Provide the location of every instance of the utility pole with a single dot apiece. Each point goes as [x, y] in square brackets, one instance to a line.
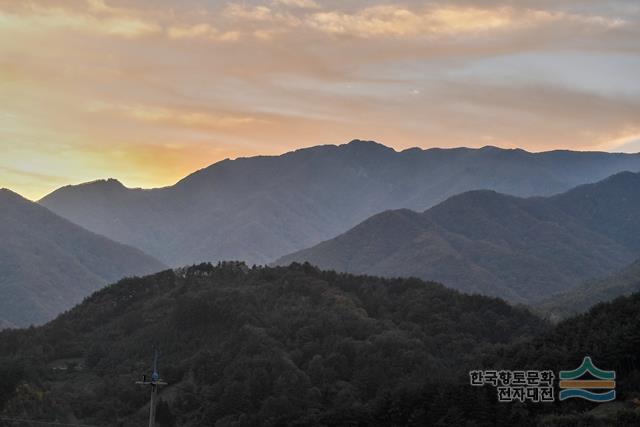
[155, 383]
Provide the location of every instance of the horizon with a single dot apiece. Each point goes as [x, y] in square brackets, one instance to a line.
[38, 197]
[147, 91]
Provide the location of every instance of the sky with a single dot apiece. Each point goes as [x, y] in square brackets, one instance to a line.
[147, 91]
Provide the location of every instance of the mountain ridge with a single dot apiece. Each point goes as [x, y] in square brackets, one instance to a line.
[354, 142]
[482, 241]
[47, 263]
[260, 208]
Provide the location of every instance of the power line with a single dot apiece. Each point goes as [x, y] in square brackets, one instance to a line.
[49, 423]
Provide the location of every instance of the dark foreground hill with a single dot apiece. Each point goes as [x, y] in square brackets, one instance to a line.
[253, 347]
[48, 264]
[520, 249]
[260, 208]
[296, 346]
[610, 334]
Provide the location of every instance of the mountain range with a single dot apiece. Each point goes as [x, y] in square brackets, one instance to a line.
[260, 208]
[48, 264]
[521, 249]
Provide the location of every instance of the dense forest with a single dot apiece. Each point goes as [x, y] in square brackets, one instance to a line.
[610, 334]
[295, 345]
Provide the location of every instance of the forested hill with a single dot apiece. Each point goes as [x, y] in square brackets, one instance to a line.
[257, 347]
[260, 208]
[610, 334]
[48, 264]
[520, 249]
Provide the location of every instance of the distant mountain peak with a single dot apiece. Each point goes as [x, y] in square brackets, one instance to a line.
[105, 183]
[624, 176]
[474, 197]
[360, 143]
[6, 191]
[619, 181]
[260, 208]
[484, 241]
[7, 194]
[99, 186]
[495, 149]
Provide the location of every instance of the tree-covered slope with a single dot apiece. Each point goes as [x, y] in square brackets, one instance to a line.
[586, 295]
[481, 241]
[297, 346]
[48, 264]
[610, 334]
[260, 208]
[261, 346]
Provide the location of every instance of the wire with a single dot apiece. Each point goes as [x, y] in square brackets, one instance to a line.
[44, 422]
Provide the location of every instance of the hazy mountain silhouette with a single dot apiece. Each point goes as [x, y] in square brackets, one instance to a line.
[483, 241]
[581, 298]
[48, 264]
[259, 208]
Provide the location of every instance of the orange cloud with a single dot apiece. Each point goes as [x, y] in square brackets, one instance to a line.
[304, 4]
[96, 17]
[398, 21]
[249, 13]
[146, 91]
[191, 119]
[621, 140]
[204, 31]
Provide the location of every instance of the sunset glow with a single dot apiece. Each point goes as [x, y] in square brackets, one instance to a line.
[148, 91]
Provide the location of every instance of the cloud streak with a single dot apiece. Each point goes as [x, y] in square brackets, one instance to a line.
[96, 17]
[395, 21]
[109, 83]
